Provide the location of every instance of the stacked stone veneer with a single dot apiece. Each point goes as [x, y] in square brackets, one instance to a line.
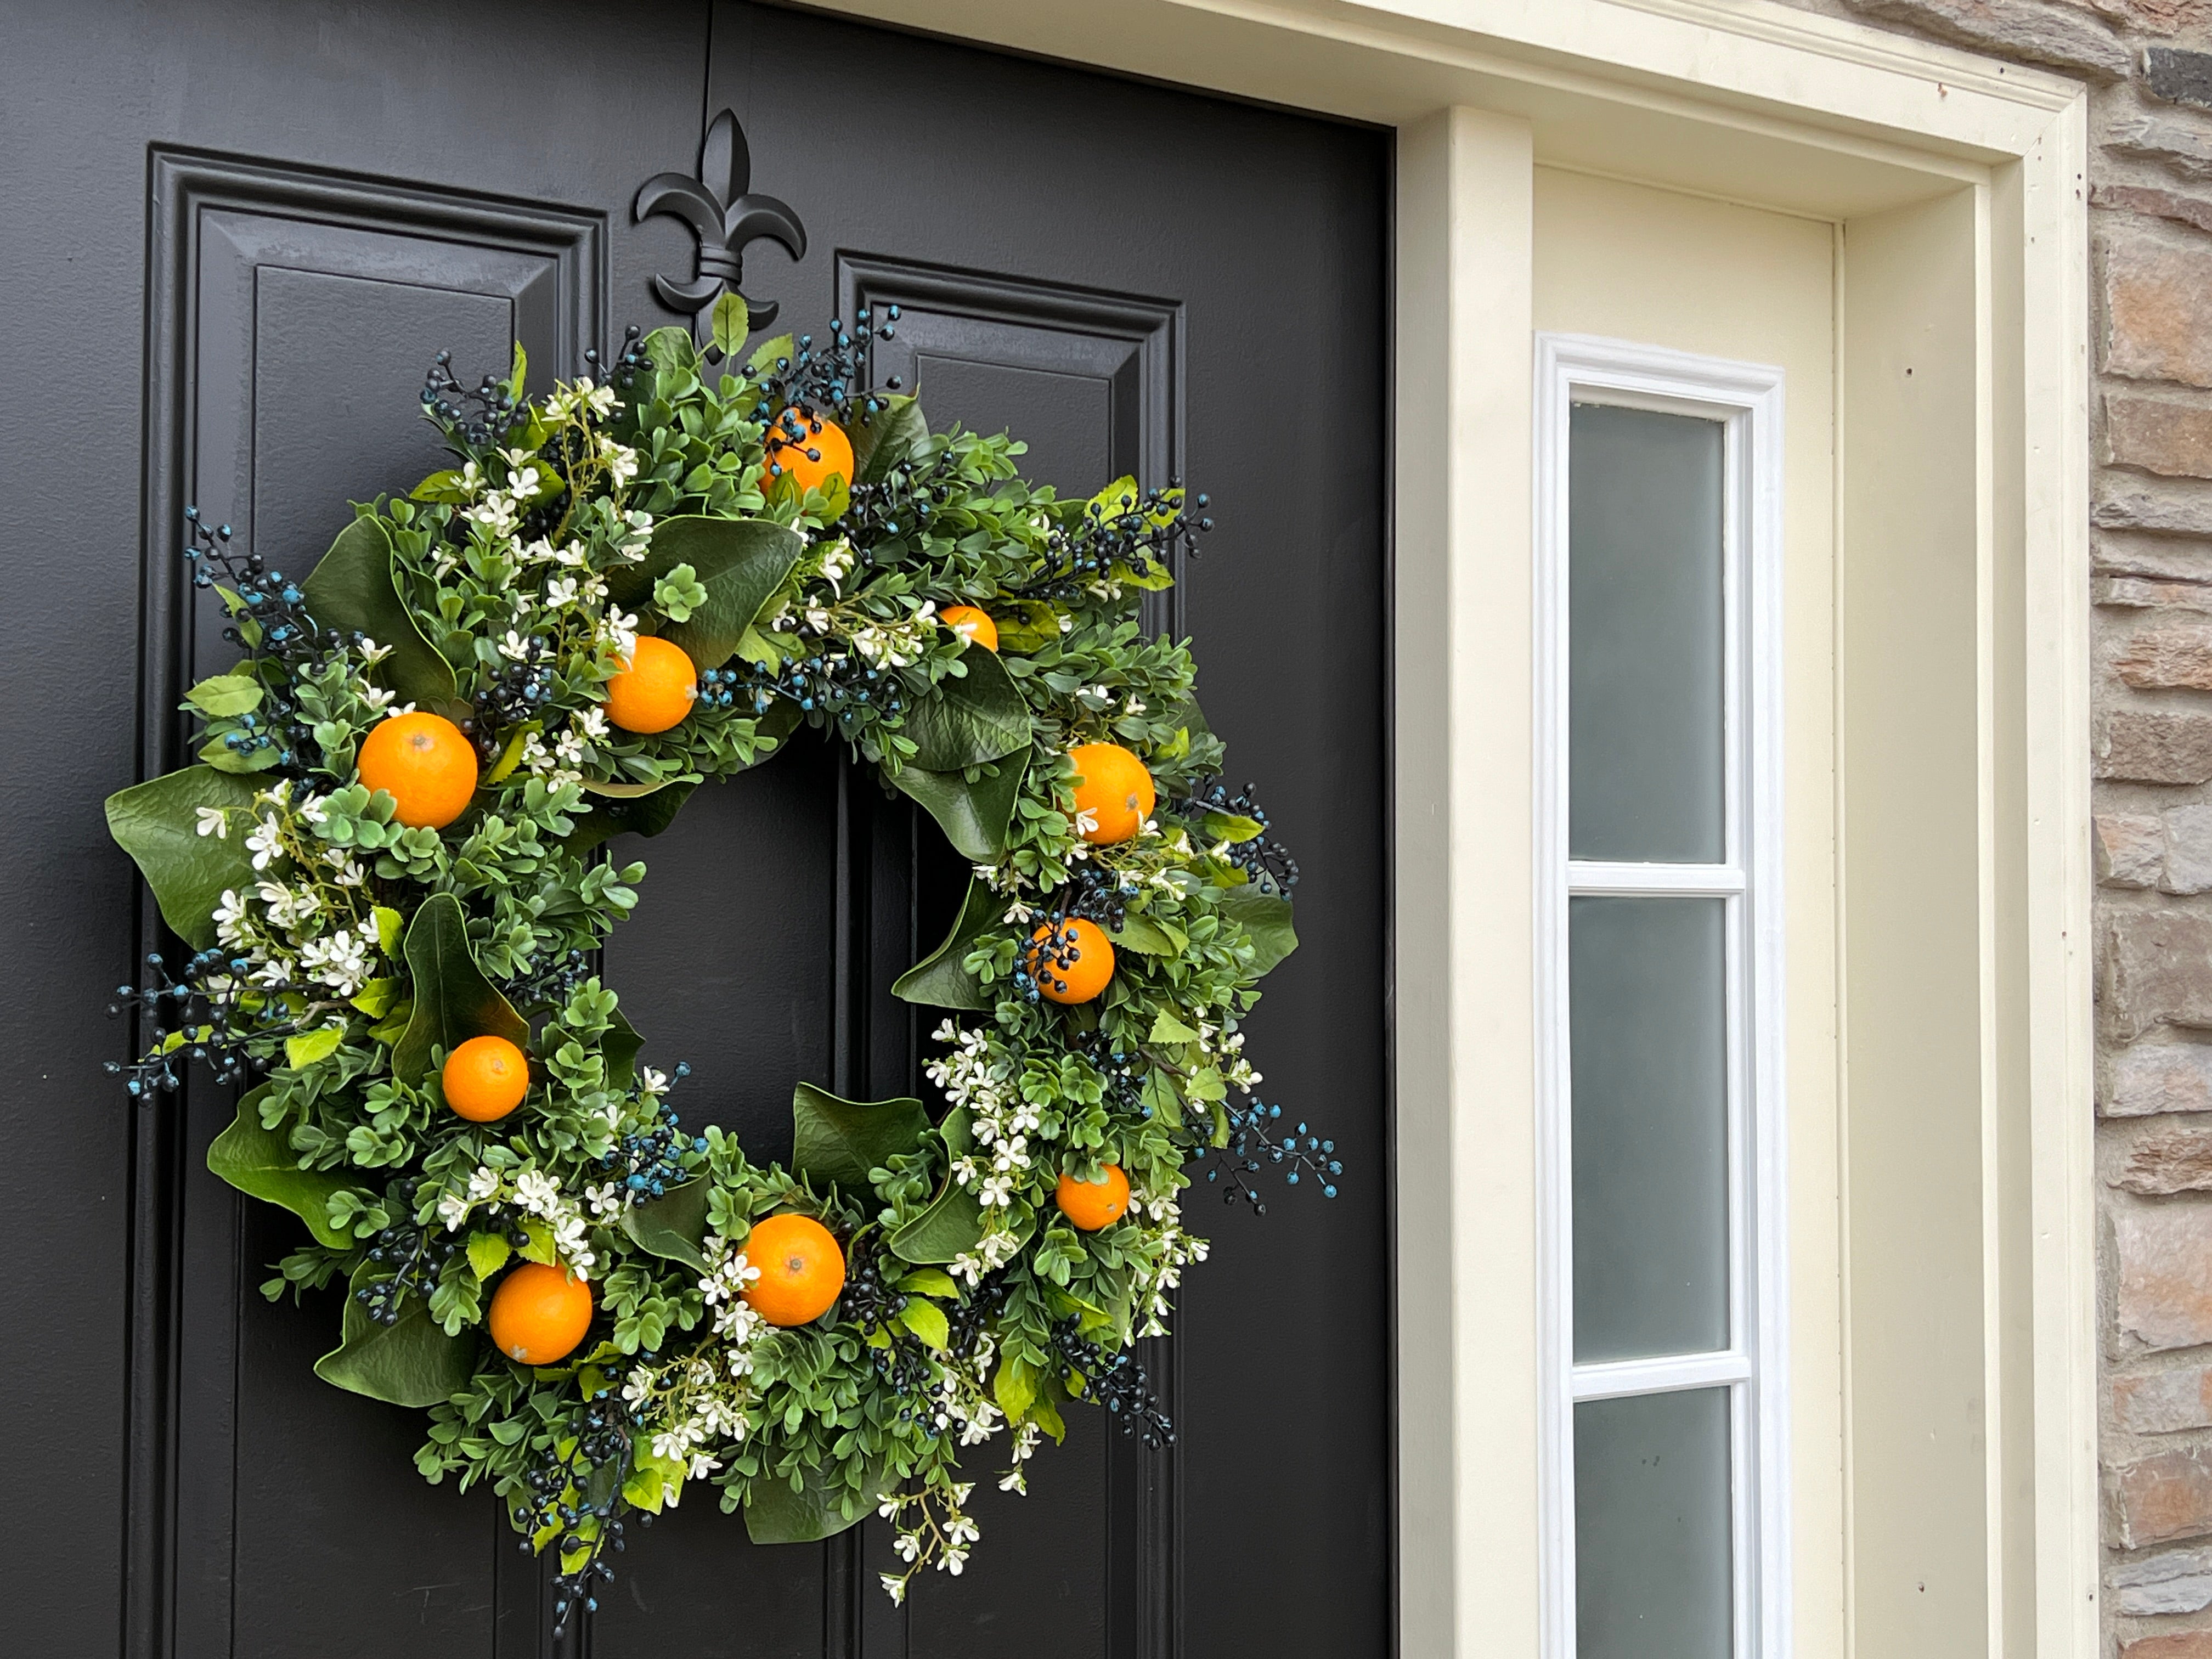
[2148, 65]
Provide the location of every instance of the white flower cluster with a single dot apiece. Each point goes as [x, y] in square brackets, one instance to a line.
[1001, 1120]
[1177, 1250]
[307, 922]
[535, 1194]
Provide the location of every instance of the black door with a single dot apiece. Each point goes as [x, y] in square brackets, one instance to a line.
[231, 234]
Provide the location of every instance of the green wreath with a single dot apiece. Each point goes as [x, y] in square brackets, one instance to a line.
[387, 866]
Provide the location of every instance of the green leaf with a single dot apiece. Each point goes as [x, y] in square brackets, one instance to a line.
[1014, 1387]
[487, 1253]
[388, 922]
[453, 1000]
[1024, 625]
[539, 1246]
[445, 487]
[222, 695]
[619, 1047]
[886, 438]
[926, 1320]
[766, 353]
[354, 590]
[1145, 937]
[511, 756]
[312, 1046]
[613, 815]
[939, 979]
[258, 1163]
[411, 1363]
[376, 998]
[963, 722]
[741, 562]
[218, 753]
[1117, 498]
[674, 1225]
[1266, 920]
[842, 1140]
[1166, 1028]
[1046, 1416]
[973, 815]
[929, 1281]
[518, 373]
[1232, 827]
[949, 1227]
[730, 324]
[776, 1515]
[157, 823]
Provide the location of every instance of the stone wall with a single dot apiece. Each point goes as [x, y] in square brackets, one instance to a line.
[2148, 64]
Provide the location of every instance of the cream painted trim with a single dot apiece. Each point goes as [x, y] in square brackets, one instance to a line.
[1753, 102]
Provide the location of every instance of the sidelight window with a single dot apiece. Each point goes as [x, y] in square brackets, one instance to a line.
[1658, 501]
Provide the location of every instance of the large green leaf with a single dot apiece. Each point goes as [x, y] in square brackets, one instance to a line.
[842, 1140]
[258, 1163]
[886, 438]
[411, 1363]
[973, 815]
[674, 1225]
[776, 1515]
[354, 590]
[739, 561]
[950, 1227]
[453, 1000]
[939, 979]
[157, 823]
[966, 721]
[1266, 918]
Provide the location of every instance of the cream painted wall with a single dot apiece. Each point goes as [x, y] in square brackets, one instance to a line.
[1661, 268]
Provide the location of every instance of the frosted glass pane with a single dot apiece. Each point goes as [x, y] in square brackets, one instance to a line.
[1652, 1572]
[1649, 1031]
[1643, 624]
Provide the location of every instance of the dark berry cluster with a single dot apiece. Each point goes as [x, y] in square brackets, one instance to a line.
[650, 1161]
[1140, 542]
[218, 1017]
[1115, 1379]
[622, 372]
[583, 1484]
[1252, 1143]
[473, 422]
[551, 984]
[832, 375]
[837, 692]
[513, 694]
[1266, 864]
[415, 1255]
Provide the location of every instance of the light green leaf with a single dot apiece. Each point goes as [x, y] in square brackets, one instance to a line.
[766, 353]
[730, 324]
[929, 1281]
[388, 922]
[539, 1246]
[1266, 920]
[311, 1046]
[487, 1253]
[376, 998]
[1014, 1387]
[1119, 497]
[218, 753]
[1144, 936]
[453, 1000]
[939, 979]
[1024, 625]
[1166, 1028]
[519, 373]
[674, 1225]
[1231, 827]
[842, 1140]
[354, 590]
[510, 757]
[411, 1363]
[926, 1320]
[222, 695]
[973, 815]
[445, 487]
[966, 721]
[157, 823]
[741, 562]
[258, 1163]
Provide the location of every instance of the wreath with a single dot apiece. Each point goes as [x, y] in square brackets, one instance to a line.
[391, 867]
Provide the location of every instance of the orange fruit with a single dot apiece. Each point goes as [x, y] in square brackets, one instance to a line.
[973, 625]
[539, 1314]
[1091, 1204]
[1074, 967]
[803, 444]
[656, 691]
[425, 764]
[485, 1079]
[801, 1269]
[1114, 787]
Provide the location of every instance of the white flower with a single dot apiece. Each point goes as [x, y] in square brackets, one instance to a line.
[896, 1587]
[265, 842]
[215, 821]
[593, 723]
[515, 648]
[605, 1199]
[371, 652]
[484, 1183]
[997, 1190]
[453, 1210]
[536, 1192]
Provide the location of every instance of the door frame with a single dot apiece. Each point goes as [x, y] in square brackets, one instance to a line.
[1956, 186]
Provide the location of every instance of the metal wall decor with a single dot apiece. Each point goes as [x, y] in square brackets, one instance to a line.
[727, 215]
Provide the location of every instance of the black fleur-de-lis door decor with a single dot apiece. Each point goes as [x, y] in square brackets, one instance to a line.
[727, 215]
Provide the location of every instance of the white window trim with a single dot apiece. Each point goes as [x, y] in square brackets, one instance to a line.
[1748, 398]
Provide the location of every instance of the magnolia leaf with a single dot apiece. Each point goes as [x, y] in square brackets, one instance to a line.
[949, 1227]
[1024, 625]
[939, 979]
[224, 695]
[729, 324]
[1266, 920]
[487, 1253]
[929, 1281]
[741, 562]
[645, 815]
[619, 1047]
[842, 1140]
[926, 1320]
[963, 722]
[354, 590]
[973, 815]
[886, 438]
[775, 1514]
[411, 1362]
[674, 1225]
[453, 1000]
[258, 1163]
[158, 823]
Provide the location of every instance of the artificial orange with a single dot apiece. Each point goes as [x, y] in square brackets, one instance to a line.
[539, 1314]
[656, 691]
[801, 1269]
[485, 1079]
[808, 449]
[425, 764]
[1091, 1204]
[973, 625]
[1114, 787]
[1074, 965]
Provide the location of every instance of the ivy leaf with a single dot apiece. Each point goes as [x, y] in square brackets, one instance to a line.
[1266, 920]
[938, 979]
[487, 1253]
[973, 815]
[1166, 1028]
[768, 351]
[311, 1046]
[157, 823]
[820, 1509]
[730, 324]
[963, 722]
[354, 590]
[929, 1281]
[674, 1225]
[886, 438]
[740, 562]
[926, 1320]
[842, 1140]
[258, 1163]
[453, 1000]
[221, 695]
[411, 1363]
